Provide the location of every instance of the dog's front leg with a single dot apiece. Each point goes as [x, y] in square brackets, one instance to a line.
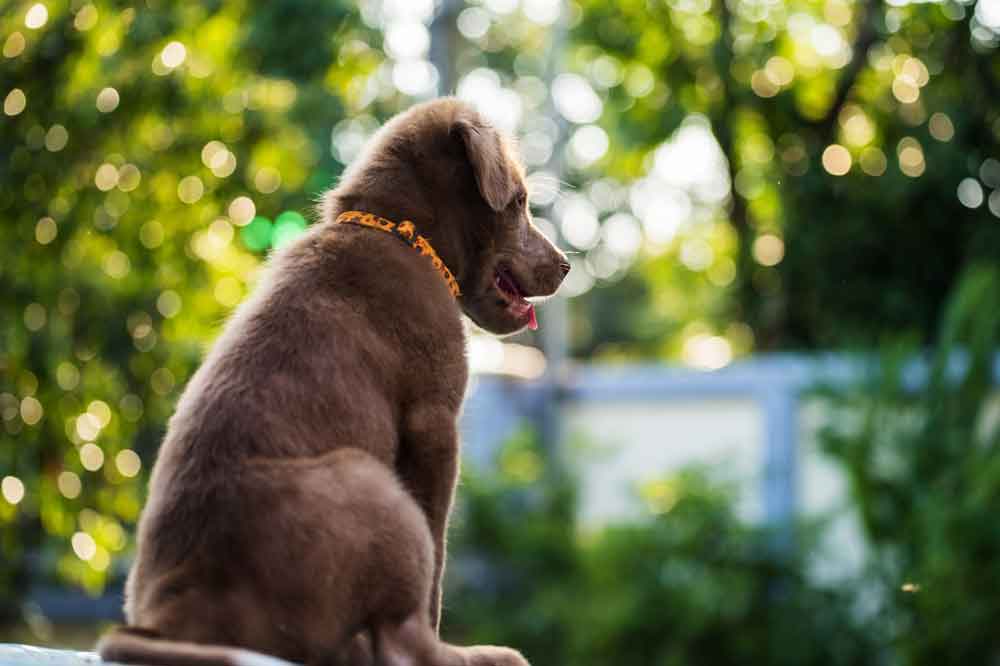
[428, 465]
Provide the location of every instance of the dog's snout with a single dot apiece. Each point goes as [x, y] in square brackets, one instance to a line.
[564, 266]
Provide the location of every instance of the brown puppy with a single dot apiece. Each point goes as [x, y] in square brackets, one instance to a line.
[300, 500]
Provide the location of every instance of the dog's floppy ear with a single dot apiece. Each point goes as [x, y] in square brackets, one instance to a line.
[487, 155]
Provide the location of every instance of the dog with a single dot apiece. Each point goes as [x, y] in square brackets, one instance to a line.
[299, 504]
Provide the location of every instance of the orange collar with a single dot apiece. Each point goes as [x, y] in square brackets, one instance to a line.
[406, 232]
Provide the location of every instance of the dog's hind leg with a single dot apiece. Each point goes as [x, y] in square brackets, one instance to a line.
[413, 643]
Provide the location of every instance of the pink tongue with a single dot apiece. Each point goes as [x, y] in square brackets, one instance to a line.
[533, 322]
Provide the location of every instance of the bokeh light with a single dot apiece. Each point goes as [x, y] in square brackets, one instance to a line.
[37, 16]
[12, 489]
[837, 160]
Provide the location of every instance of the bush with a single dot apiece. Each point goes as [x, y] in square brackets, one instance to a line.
[925, 473]
[691, 584]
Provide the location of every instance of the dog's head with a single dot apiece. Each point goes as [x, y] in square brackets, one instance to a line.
[505, 259]
[444, 166]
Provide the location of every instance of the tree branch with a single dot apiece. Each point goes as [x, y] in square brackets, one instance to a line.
[866, 38]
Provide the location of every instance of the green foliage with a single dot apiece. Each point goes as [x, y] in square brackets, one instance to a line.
[815, 256]
[923, 466]
[689, 584]
[148, 137]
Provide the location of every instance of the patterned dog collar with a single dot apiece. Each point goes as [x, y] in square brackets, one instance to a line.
[406, 232]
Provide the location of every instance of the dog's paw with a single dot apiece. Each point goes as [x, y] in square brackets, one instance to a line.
[489, 655]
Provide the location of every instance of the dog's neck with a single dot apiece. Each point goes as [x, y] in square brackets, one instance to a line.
[406, 232]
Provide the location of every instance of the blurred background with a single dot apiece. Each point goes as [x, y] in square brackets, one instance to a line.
[760, 422]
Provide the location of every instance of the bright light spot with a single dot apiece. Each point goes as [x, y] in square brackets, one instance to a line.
[173, 55]
[407, 40]
[15, 102]
[83, 545]
[911, 157]
[12, 489]
[780, 70]
[56, 138]
[101, 411]
[107, 100]
[662, 209]
[100, 561]
[37, 16]
[905, 90]
[86, 18]
[910, 588]
[578, 221]
[414, 77]
[696, 254]
[482, 88]
[473, 23]
[639, 81]
[35, 316]
[242, 210]
[190, 189]
[995, 203]
[762, 85]
[588, 144]
[989, 172]
[91, 456]
[575, 99]
[267, 180]
[768, 250]
[988, 14]
[14, 45]
[129, 177]
[349, 137]
[836, 160]
[69, 484]
[46, 230]
[722, 272]
[915, 71]
[707, 352]
[873, 161]
[970, 193]
[128, 463]
[31, 410]
[287, 227]
[168, 303]
[827, 40]
[692, 160]
[858, 128]
[88, 427]
[606, 71]
[116, 264]
[622, 235]
[542, 12]
[106, 177]
[578, 281]
[67, 376]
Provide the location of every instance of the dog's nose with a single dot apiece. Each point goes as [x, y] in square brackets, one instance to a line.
[564, 267]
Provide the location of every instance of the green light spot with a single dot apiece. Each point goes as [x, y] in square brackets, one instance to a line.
[257, 235]
[287, 227]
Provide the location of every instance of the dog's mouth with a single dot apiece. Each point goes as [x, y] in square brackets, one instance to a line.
[512, 295]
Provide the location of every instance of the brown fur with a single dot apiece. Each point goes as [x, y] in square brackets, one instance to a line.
[300, 501]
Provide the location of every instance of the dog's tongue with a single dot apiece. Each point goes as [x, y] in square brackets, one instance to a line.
[533, 322]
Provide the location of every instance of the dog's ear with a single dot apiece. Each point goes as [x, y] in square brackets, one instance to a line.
[488, 157]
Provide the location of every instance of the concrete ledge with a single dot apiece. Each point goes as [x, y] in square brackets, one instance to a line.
[26, 655]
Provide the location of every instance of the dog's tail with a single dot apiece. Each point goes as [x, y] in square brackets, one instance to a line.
[132, 645]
